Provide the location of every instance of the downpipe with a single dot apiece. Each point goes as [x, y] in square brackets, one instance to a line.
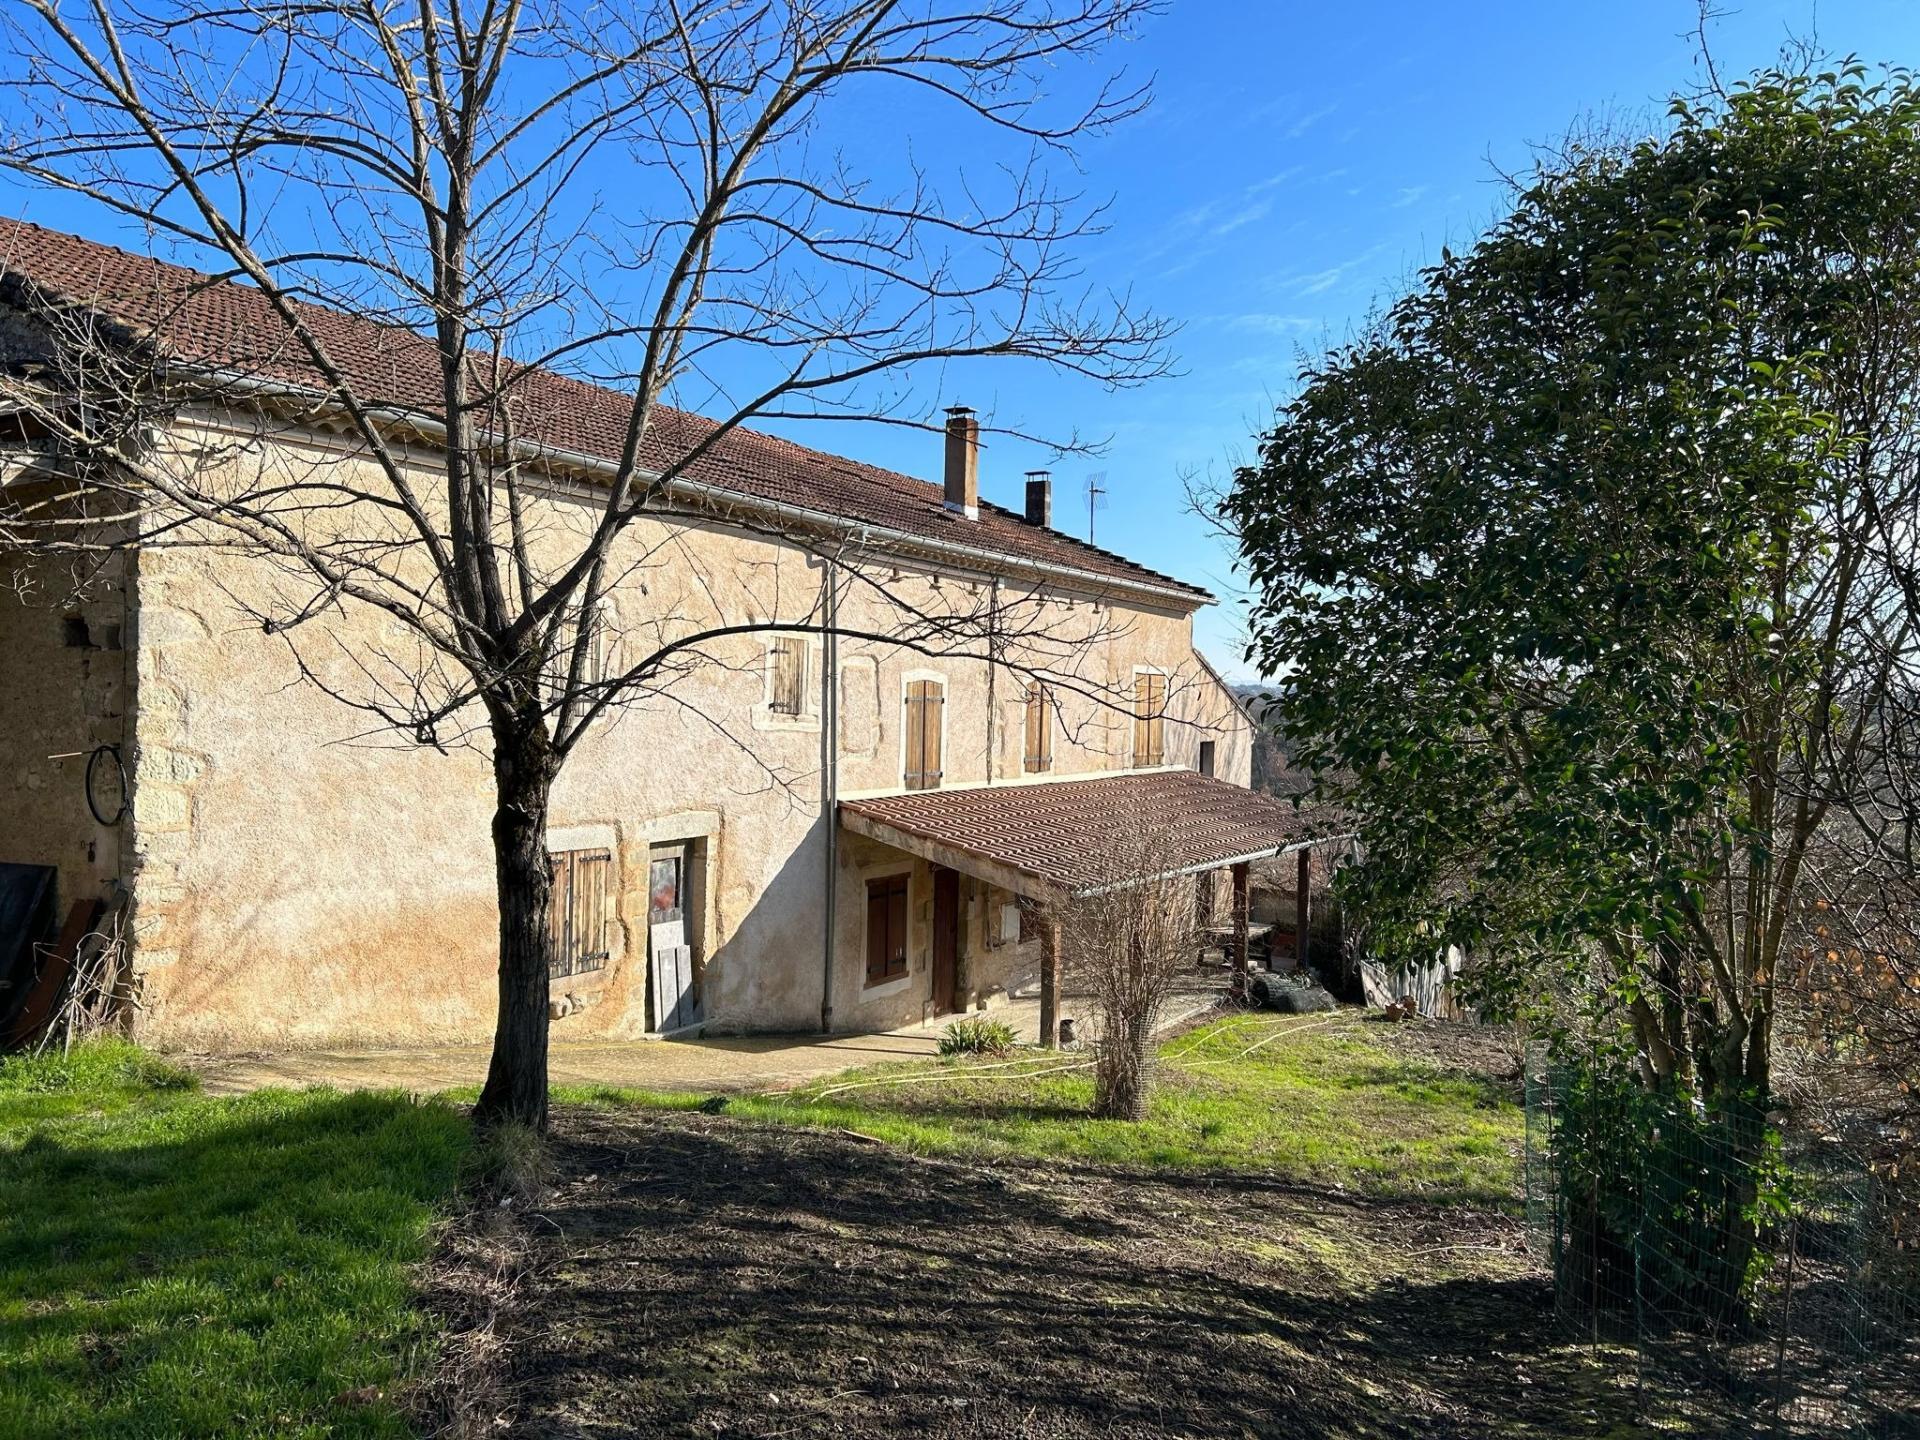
[830, 785]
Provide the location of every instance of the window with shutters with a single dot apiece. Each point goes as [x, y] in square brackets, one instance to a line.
[1039, 758]
[926, 703]
[599, 666]
[1029, 921]
[787, 668]
[886, 929]
[1003, 919]
[582, 889]
[1149, 718]
[790, 685]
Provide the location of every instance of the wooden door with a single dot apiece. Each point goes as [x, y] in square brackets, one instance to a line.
[946, 939]
[676, 1005]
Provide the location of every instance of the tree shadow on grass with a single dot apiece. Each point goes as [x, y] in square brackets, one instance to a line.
[215, 1267]
[742, 1280]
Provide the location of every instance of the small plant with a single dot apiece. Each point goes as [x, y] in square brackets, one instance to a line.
[977, 1037]
[511, 1163]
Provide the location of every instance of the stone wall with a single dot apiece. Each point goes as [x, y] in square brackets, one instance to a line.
[304, 880]
[64, 695]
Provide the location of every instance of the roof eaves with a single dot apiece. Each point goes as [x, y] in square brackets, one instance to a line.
[1160, 588]
[1124, 577]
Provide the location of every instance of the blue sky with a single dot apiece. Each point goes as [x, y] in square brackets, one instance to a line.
[1299, 164]
[1302, 161]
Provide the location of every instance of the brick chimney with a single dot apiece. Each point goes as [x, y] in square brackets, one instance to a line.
[1040, 498]
[963, 462]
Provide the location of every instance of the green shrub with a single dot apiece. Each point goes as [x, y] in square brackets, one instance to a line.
[977, 1037]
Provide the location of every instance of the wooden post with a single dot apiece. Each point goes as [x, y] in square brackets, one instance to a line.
[1302, 911]
[1203, 913]
[1049, 981]
[1240, 873]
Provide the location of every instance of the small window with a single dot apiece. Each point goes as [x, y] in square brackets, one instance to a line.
[602, 646]
[787, 664]
[886, 929]
[926, 704]
[582, 885]
[1039, 755]
[598, 666]
[1003, 919]
[1149, 719]
[1206, 757]
[1029, 921]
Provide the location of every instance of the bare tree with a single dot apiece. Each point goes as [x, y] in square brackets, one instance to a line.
[1126, 946]
[439, 169]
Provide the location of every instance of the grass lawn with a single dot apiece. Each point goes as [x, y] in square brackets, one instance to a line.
[1323, 1100]
[173, 1264]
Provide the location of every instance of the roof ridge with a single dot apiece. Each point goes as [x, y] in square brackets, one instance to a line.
[212, 310]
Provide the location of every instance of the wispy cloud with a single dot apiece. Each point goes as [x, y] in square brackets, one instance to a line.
[1323, 280]
[1320, 281]
[1410, 195]
[1274, 180]
[1267, 323]
[1246, 215]
[1308, 121]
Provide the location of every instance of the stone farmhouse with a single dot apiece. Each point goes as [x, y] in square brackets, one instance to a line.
[816, 830]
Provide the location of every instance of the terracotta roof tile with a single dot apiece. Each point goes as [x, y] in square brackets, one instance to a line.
[1063, 834]
[201, 320]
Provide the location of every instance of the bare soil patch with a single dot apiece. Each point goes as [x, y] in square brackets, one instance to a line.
[696, 1275]
[1489, 1051]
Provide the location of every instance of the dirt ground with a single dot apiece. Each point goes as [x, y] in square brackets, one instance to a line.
[688, 1062]
[692, 1275]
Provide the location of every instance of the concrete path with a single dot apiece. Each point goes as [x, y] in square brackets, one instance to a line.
[746, 1062]
[721, 1063]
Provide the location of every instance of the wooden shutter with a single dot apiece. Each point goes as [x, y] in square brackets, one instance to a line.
[789, 676]
[1157, 723]
[886, 928]
[560, 915]
[897, 928]
[1149, 720]
[936, 732]
[577, 911]
[916, 745]
[876, 931]
[925, 699]
[1039, 730]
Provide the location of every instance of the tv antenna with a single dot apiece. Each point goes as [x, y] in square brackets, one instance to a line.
[1096, 498]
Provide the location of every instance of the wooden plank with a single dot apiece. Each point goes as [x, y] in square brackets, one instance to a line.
[916, 747]
[1157, 722]
[946, 939]
[51, 981]
[897, 926]
[994, 872]
[1240, 936]
[1302, 911]
[876, 931]
[1049, 982]
[934, 730]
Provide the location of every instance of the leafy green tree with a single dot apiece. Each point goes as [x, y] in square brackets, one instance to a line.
[1584, 571]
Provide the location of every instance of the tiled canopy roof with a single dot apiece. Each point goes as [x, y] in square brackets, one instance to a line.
[1067, 835]
[199, 320]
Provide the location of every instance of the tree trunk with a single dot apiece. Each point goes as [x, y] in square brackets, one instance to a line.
[516, 1088]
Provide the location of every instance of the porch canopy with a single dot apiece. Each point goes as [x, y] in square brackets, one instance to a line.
[1061, 839]
[1057, 840]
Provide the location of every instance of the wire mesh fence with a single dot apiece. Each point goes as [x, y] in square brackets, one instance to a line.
[1741, 1280]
